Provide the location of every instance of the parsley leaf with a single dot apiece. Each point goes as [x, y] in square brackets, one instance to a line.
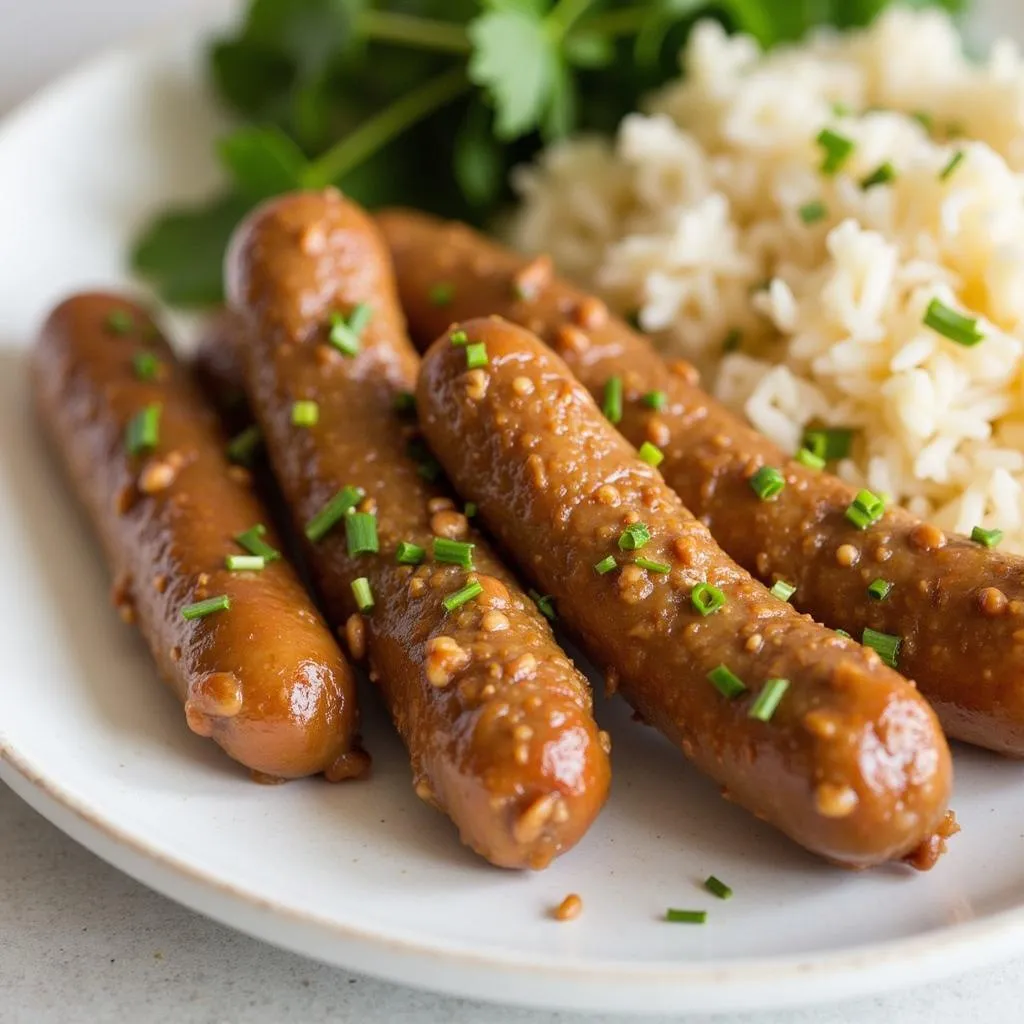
[516, 61]
[262, 162]
[182, 252]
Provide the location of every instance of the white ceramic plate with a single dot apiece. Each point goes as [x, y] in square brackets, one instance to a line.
[364, 875]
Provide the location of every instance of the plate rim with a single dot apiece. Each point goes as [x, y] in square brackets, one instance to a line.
[714, 985]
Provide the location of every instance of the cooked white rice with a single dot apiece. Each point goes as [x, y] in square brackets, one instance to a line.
[697, 205]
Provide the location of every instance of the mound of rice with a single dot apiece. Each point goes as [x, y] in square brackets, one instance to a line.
[802, 295]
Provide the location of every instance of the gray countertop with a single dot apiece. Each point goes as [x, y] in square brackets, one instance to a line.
[81, 942]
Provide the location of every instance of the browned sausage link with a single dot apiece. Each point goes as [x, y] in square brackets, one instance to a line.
[497, 721]
[853, 764]
[958, 607]
[218, 369]
[264, 678]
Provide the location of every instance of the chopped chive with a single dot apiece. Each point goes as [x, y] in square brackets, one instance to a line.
[879, 589]
[245, 563]
[143, 431]
[146, 366]
[811, 213]
[990, 538]
[469, 510]
[453, 552]
[656, 400]
[882, 175]
[459, 338]
[363, 593]
[661, 568]
[950, 169]
[634, 537]
[463, 596]
[612, 405]
[346, 334]
[405, 402]
[361, 534]
[767, 483]
[953, 325]
[732, 341]
[809, 459]
[305, 413]
[605, 565]
[331, 514]
[252, 541]
[408, 553]
[837, 150]
[770, 697]
[885, 645]
[726, 683]
[476, 356]
[865, 510]
[242, 447]
[842, 632]
[829, 443]
[201, 609]
[783, 590]
[707, 598]
[441, 294]
[545, 605]
[686, 916]
[651, 454]
[120, 322]
[717, 887]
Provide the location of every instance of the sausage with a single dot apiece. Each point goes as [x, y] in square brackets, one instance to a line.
[218, 370]
[264, 678]
[957, 607]
[852, 765]
[497, 721]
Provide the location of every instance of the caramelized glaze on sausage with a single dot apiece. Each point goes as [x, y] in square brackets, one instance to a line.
[852, 765]
[265, 678]
[957, 607]
[497, 721]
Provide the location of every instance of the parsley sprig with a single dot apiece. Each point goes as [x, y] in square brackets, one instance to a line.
[429, 103]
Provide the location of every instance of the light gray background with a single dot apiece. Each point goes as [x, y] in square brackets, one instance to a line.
[79, 942]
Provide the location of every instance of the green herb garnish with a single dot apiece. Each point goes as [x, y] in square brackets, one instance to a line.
[363, 594]
[545, 605]
[346, 334]
[990, 538]
[634, 537]
[811, 213]
[651, 454]
[605, 566]
[408, 553]
[953, 325]
[463, 596]
[656, 400]
[837, 150]
[332, 513]
[612, 404]
[882, 175]
[726, 682]
[441, 294]
[783, 590]
[885, 645]
[707, 598]
[686, 916]
[453, 552]
[245, 563]
[651, 565]
[201, 609]
[476, 356]
[252, 541]
[950, 169]
[120, 322]
[829, 443]
[146, 366]
[305, 413]
[865, 510]
[143, 431]
[717, 887]
[242, 448]
[361, 534]
[768, 700]
[767, 483]
[879, 589]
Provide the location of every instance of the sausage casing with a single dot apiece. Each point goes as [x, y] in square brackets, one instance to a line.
[852, 765]
[497, 721]
[264, 678]
[957, 607]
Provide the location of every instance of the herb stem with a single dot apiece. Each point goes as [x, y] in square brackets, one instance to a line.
[413, 31]
[376, 132]
[566, 13]
[626, 21]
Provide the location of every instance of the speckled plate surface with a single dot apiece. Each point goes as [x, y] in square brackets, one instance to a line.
[364, 875]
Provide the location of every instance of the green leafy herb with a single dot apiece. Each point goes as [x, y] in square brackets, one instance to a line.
[885, 645]
[768, 700]
[612, 404]
[332, 513]
[453, 552]
[953, 325]
[881, 175]
[143, 431]
[656, 400]
[809, 459]
[201, 609]
[837, 150]
[829, 443]
[305, 413]
[409, 553]
[476, 356]
[605, 566]
[950, 169]
[783, 590]
[726, 682]
[242, 447]
[674, 916]
[767, 483]
[251, 540]
[146, 366]
[545, 604]
[811, 213]
[120, 322]
[652, 565]
[634, 537]
[865, 510]
[346, 332]
[361, 534]
[468, 593]
[363, 594]
[354, 93]
[707, 598]
[245, 563]
[879, 589]
[717, 887]
[651, 454]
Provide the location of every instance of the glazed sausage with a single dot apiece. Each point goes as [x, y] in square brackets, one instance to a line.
[497, 721]
[852, 764]
[218, 370]
[264, 678]
[956, 607]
